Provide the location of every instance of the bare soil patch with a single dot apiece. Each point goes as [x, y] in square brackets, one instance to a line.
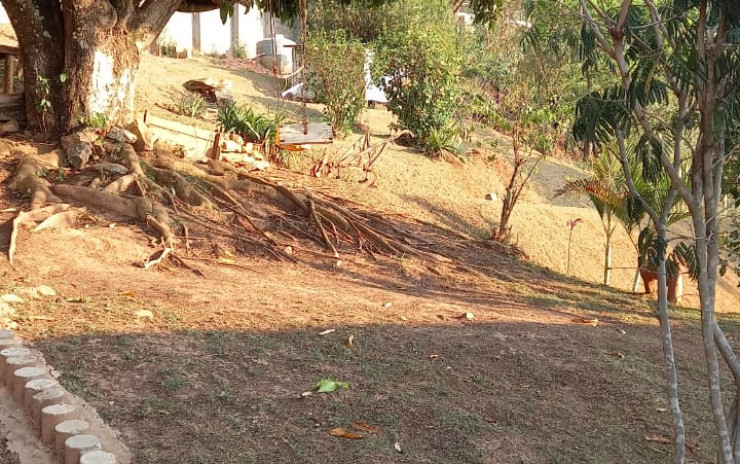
[550, 368]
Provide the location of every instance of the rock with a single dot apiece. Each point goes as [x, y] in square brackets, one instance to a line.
[5, 148]
[110, 167]
[145, 137]
[121, 135]
[9, 127]
[11, 298]
[491, 196]
[224, 95]
[230, 146]
[79, 147]
[45, 290]
[29, 292]
[6, 310]
[144, 314]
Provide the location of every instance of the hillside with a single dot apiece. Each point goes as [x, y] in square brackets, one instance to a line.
[480, 359]
[452, 195]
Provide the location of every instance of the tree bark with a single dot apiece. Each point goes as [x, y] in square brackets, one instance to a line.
[679, 430]
[38, 39]
[100, 67]
[94, 73]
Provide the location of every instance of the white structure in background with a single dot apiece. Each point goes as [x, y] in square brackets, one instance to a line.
[373, 93]
[205, 33]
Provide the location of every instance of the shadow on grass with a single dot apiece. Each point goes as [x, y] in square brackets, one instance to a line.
[455, 393]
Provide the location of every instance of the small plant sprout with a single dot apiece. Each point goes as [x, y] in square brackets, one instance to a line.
[572, 223]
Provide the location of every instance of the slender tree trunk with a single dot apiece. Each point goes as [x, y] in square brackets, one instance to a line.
[679, 431]
[608, 260]
[609, 231]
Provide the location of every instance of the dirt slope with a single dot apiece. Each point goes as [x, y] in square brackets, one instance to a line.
[450, 194]
[549, 368]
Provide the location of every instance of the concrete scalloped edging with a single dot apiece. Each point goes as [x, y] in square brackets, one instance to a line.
[54, 414]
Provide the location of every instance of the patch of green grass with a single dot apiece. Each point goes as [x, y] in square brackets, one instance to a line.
[464, 422]
[74, 382]
[173, 380]
[597, 306]
[544, 301]
[153, 407]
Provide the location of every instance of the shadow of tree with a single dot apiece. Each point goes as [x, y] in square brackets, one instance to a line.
[453, 393]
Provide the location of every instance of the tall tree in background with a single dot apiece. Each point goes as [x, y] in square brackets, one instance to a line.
[675, 97]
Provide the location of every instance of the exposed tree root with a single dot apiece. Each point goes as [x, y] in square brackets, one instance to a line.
[34, 215]
[26, 179]
[139, 208]
[319, 211]
[184, 190]
[223, 201]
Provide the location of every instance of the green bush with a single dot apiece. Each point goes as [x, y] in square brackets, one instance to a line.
[336, 76]
[250, 125]
[362, 19]
[190, 104]
[423, 61]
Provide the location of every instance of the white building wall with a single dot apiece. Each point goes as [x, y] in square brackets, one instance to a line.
[251, 31]
[215, 36]
[180, 31]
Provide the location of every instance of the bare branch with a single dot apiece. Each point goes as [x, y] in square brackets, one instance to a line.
[150, 18]
[626, 5]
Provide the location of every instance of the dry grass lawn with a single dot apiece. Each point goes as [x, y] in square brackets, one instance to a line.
[216, 375]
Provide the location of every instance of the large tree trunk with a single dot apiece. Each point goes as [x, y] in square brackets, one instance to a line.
[100, 68]
[88, 51]
[41, 56]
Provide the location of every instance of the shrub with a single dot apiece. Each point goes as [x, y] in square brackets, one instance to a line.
[250, 125]
[362, 19]
[336, 75]
[422, 60]
[190, 104]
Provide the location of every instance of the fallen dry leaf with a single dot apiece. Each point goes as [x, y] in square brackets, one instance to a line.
[342, 433]
[364, 426]
[582, 320]
[658, 439]
[128, 293]
[306, 394]
[327, 332]
[157, 258]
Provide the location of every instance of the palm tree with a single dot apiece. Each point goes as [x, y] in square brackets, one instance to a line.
[607, 190]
